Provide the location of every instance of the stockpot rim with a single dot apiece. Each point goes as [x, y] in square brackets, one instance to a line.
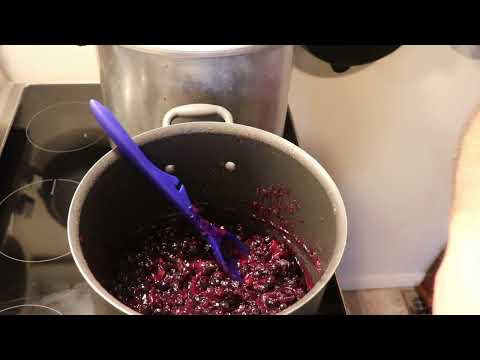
[241, 50]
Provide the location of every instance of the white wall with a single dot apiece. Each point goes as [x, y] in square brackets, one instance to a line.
[49, 63]
[386, 132]
[3, 77]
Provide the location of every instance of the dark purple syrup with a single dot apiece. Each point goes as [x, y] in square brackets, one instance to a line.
[275, 207]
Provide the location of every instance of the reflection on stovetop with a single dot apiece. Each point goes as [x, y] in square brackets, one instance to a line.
[53, 142]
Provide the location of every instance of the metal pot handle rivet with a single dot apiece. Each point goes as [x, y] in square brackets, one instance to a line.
[230, 166]
[170, 169]
[194, 110]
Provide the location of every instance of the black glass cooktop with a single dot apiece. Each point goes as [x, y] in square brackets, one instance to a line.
[53, 142]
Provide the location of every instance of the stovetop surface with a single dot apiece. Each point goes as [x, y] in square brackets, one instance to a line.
[53, 142]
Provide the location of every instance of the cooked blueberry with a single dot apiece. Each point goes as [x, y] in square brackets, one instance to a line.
[172, 271]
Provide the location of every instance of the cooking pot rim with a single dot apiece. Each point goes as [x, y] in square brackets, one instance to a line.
[245, 49]
[238, 130]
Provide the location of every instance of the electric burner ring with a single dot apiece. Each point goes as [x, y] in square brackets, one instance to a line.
[42, 129]
[65, 251]
[43, 307]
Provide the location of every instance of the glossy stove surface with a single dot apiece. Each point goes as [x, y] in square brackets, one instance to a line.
[53, 142]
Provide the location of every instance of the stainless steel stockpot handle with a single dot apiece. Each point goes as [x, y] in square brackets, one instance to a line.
[194, 110]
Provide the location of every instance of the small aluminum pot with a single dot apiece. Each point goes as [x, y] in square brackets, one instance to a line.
[114, 198]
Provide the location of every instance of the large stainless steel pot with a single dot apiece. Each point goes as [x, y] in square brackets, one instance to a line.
[114, 198]
[142, 82]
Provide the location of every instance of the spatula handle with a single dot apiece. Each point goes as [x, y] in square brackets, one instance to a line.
[167, 183]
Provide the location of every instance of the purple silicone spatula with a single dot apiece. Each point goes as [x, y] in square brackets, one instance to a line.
[223, 243]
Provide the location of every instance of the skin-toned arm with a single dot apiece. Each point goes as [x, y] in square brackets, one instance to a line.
[457, 284]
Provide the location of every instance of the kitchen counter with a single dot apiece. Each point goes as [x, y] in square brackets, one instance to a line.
[10, 96]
